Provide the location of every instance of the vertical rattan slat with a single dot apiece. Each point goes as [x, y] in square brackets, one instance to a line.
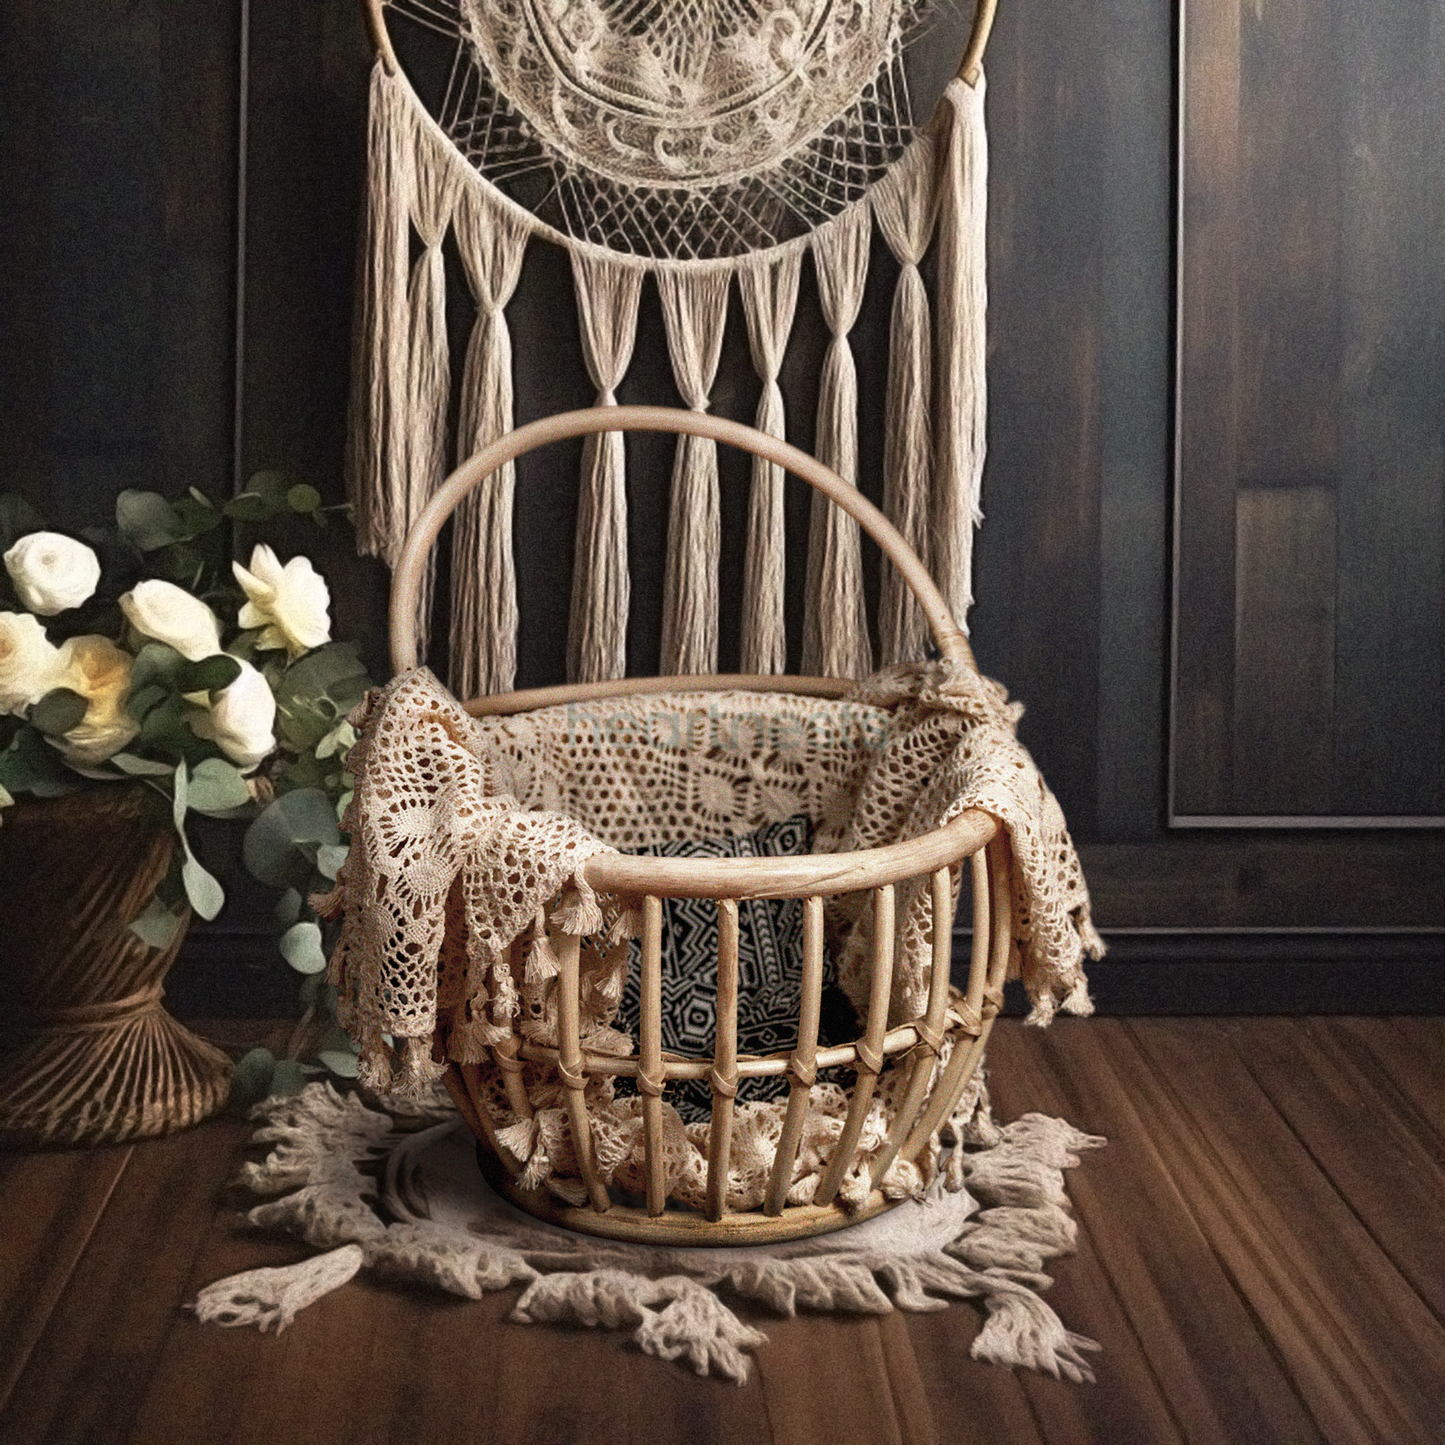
[978, 1023]
[569, 1066]
[724, 1077]
[650, 1078]
[504, 1052]
[986, 869]
[803, 1067]
[930, 1027]
[870, 1046]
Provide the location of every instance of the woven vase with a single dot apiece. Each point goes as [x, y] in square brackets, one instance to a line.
[87, 1053]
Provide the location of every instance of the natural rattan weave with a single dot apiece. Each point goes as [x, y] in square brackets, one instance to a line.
[918, 1067]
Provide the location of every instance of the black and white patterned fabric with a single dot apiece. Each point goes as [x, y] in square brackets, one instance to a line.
[770, 971]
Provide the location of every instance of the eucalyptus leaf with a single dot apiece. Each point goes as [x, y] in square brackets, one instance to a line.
[211, 674]
[156, 665]
[164, 727]
[142, 699]
[301, 947]
[158, 925]
[341, 1062]
[6, 801]
[329, 859]
[339, 740]
[141, 767]
[148, 520]
[288, 907]
[251, 1081]
[280, 846]
[61, 709]
[30, 765]
[248, 507]
[316, 993]
[271, 485]
[180, 790]
[197, 514]
[217, 787]
[303, 499]
[206, 896]
[288, 1078]
[317, 691]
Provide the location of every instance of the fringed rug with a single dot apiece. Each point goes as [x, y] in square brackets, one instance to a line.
[404, 1198]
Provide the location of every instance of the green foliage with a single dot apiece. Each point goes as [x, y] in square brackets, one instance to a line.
[316, 693]
[58, 711]
[281, 845]
[294, 842]
[30, 765]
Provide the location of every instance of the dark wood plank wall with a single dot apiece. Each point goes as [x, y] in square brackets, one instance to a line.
[118, 142]
[1311, 460]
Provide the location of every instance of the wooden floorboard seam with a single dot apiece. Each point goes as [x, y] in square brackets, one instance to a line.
[24, 1349]
[1342, 1387]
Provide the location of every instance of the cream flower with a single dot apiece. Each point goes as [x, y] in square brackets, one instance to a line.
[100, 672]
[241, 719]
[52, 572]
[291, 603]
[29, 662]
[169, 614]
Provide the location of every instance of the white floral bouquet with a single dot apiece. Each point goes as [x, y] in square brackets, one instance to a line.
[137, 657]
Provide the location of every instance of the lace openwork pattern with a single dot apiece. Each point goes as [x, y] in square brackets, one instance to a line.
[469, 838]
[678, 128]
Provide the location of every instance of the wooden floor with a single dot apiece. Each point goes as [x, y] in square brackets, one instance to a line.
[1262, 1256]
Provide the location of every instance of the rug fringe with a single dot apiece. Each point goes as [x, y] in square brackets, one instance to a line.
[989, 1240]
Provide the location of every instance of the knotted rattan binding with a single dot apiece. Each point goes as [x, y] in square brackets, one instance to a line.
[921, 1064]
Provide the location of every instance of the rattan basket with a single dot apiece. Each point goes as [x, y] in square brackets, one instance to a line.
[953, 1023]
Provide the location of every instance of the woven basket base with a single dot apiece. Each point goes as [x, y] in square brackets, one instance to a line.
[677, 1227]
[134, 1078]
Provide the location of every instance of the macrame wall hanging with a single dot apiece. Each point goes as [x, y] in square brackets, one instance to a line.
[706, 143]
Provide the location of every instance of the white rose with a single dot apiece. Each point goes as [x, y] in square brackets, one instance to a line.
[241, 719]
[291, 603]
[52, 572]
[29, 662]
[100, 672]
[171, 615]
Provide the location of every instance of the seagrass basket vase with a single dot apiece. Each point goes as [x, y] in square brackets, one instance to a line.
[921, 1065]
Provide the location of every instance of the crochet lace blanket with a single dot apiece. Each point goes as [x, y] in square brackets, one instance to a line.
[466, 831]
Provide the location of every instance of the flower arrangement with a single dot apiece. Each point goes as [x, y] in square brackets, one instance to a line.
[140, 656]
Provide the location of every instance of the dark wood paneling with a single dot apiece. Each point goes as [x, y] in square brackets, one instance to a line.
[1312, 313]
[1284, 649]
[1037, 556]
[117, 222]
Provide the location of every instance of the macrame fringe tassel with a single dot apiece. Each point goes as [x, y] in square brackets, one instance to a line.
[376, 450]
[270, 1299]
[905, 203]
[961, 396]
[579, 912]
[694, 305]
[483, 642]
[607, 298]
[770, 299]
[835, 622]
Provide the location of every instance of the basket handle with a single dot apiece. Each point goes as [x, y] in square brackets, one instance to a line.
[407, 581]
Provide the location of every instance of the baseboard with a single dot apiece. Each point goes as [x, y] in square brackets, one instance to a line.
[1162, 973]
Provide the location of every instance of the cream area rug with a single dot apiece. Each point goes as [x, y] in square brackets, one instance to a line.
[403, 1197]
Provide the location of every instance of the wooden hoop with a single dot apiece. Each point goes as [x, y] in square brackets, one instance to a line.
[968, 70]
[410, 569]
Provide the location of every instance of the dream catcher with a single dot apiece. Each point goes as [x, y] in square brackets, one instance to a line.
[707, 144]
